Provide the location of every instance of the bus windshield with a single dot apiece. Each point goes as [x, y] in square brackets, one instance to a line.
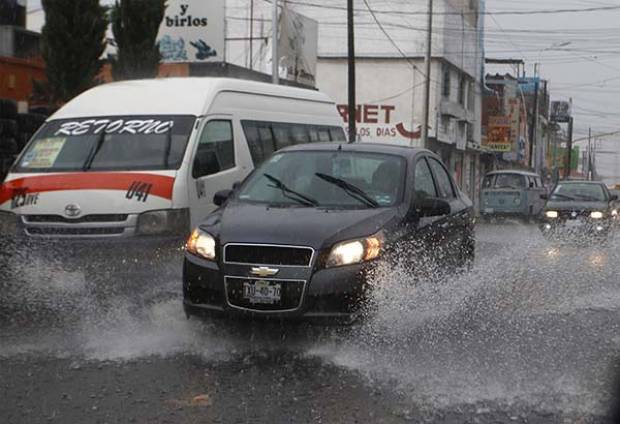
[120, 143]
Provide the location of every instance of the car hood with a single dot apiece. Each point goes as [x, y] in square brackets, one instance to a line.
[251, 223]
[576, 205]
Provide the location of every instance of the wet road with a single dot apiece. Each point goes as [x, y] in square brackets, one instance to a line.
[530, 335]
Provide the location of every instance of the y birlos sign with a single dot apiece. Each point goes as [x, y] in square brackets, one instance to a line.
[192, 31]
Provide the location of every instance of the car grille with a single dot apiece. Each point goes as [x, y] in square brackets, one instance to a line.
[64, 231]
[579, 214]
[256, 254]
[291, 295]
[88, 218]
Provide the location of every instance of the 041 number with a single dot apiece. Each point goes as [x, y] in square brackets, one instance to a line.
[139, 190]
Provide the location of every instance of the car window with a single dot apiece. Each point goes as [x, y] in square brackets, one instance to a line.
[260, 140]
[331, 180]
[510, 181]
[215, 152]
[579, 192]
[444, 184]
[423, 184]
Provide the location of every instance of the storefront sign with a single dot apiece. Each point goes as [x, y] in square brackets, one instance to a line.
[380, 122]
[192, 31]
[499, 134]
[298, 47]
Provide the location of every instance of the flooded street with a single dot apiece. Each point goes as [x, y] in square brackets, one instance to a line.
[531, 334]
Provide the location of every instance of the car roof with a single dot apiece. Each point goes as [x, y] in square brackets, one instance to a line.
[513, 171]
[170, 96]
[358, 147]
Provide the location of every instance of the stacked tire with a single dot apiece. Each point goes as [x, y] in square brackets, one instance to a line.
[9, 133]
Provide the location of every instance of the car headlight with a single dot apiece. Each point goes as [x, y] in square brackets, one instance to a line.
[164, 222]
[551, 214]
[614, 212]
[355, 251]
[8, 223]
[596, 215]
[201, 244]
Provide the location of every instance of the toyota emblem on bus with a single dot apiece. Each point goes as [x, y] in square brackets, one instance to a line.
[72, 210]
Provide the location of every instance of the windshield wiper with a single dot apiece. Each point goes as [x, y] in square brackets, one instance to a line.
[93, 152]
[563, 195]
[291, 194]
[586, 197]
[353, 191]
[168, 148]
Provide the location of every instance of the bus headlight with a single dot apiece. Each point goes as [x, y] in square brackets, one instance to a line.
[8, 223]
[201, 243]
[551, 214]
[164, 222]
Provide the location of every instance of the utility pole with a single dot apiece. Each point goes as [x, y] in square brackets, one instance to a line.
[427, 84]
[351, 64]
[569, 149]
[534, 126]
[588, 175]
[251, 33]
[275, 65]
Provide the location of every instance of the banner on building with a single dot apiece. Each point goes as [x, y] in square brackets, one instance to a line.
[560, 111]
[499, 134]
[298, 46]
[382, 122]
[192, 31]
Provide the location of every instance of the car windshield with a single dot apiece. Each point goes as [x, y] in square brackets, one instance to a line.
[504, 181]
[108, 144]
[327, 179]
[578, 191]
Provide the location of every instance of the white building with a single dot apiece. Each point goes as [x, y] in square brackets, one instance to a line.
[390, 69]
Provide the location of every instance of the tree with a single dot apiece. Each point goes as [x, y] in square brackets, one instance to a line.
[72, 42]
[135, 24]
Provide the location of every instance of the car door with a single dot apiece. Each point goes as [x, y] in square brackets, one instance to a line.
[450, 228]
[215, 165]
[424, 187]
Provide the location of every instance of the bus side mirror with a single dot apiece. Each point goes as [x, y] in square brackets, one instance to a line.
[544, 196]
[221, 196]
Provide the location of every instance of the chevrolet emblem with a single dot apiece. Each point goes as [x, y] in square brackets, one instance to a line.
[264, 271]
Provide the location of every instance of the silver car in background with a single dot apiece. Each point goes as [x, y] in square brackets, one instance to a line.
[511, 193]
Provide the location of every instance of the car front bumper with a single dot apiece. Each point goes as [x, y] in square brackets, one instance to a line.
[578, 228]
[333, 293]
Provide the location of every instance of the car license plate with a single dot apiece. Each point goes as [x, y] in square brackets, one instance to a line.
[262, 292]
[572, 223]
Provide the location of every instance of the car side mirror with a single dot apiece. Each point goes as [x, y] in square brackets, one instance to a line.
[544, 196]
[613, 197]
[432, 206]
[236, 185]
[221, 196]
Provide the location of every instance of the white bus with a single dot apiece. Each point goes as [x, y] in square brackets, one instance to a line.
[144, 158]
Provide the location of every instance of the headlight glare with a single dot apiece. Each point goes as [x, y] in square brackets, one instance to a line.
[596, 215]
[614, 212]
[551, 214]
[355, 251]
[201, 244]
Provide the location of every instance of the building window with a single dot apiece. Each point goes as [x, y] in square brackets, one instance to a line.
[471, 96]
[462, 90]
[445, 86]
